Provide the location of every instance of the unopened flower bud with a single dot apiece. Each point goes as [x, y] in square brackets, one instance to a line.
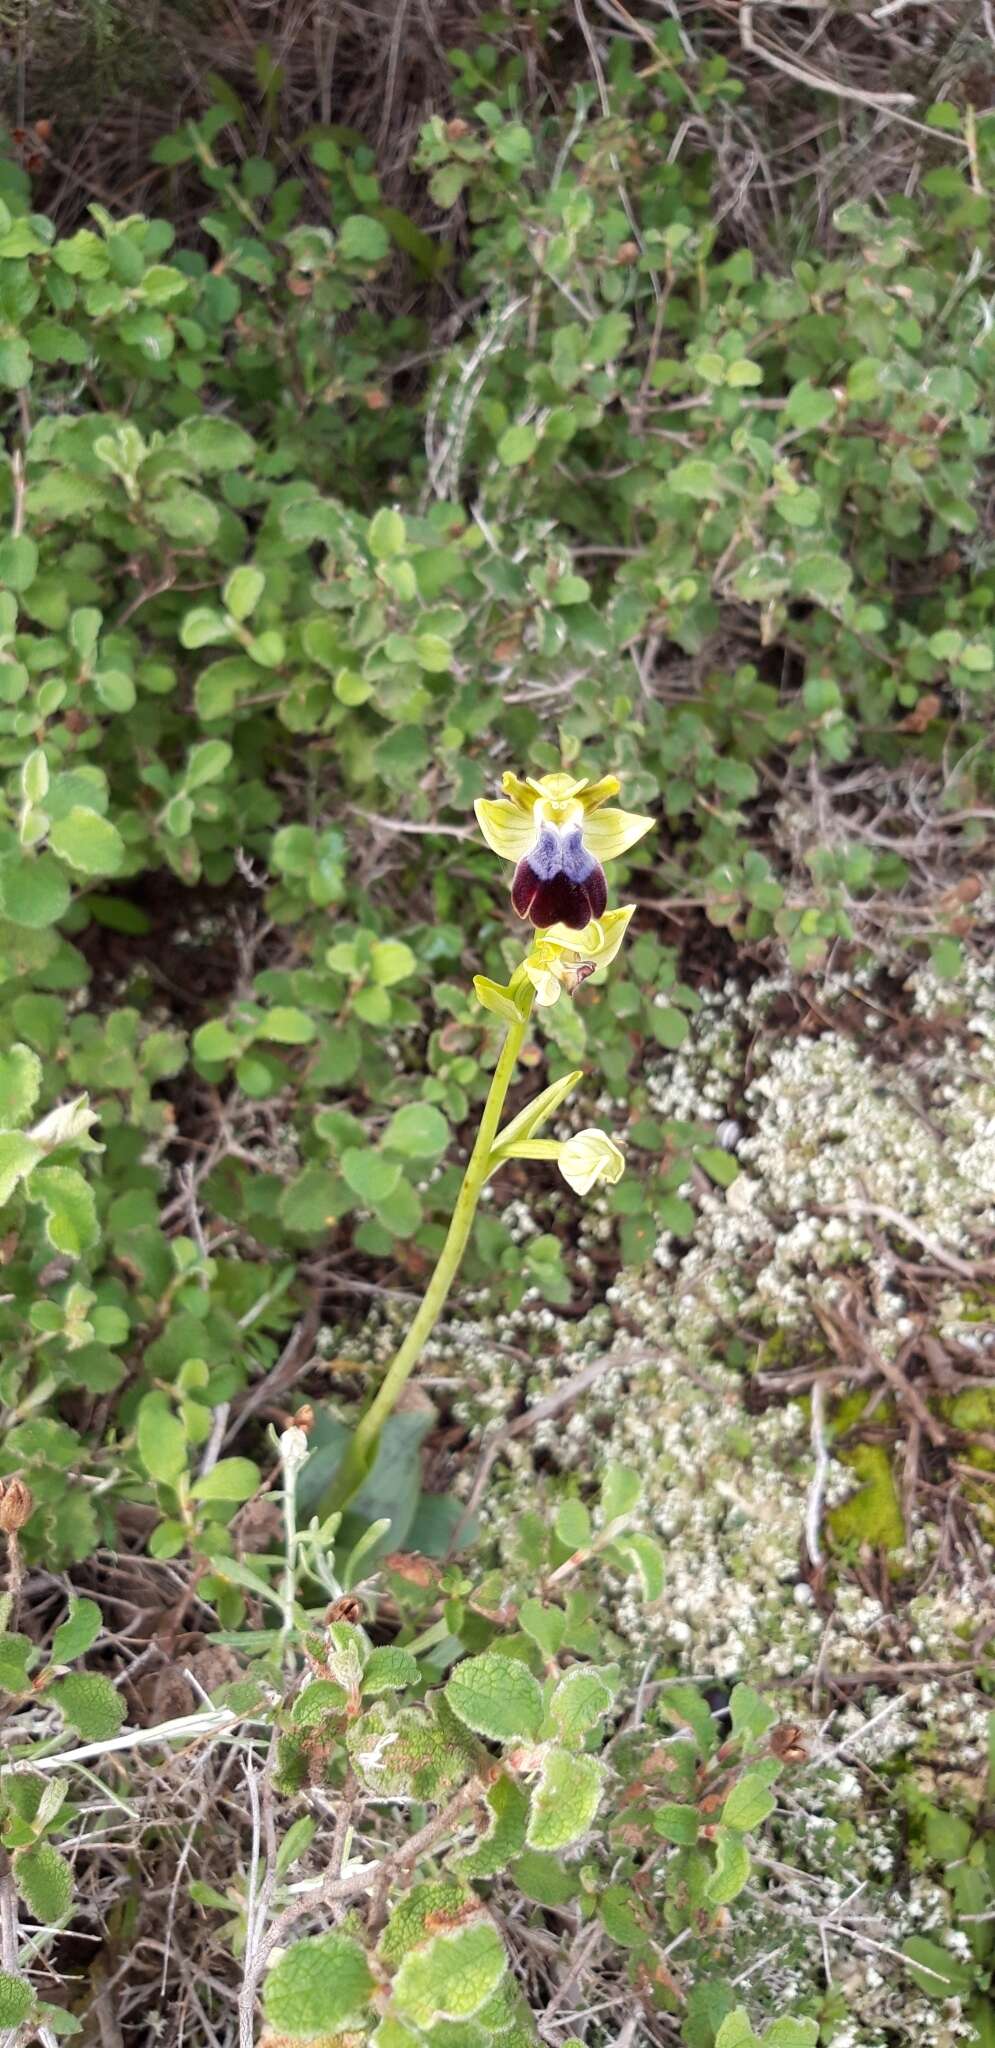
[588, 1157]
[294, 1451]
[16, 1505]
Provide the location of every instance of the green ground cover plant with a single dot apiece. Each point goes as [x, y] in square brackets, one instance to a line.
[320, 519]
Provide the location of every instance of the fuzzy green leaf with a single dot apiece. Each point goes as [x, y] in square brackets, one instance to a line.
[16, 2000]
[34, 891]
[937, 1971]
[732, 1867]
[90, 1704]
[317, 1986]
[496, 1696]
[677, 1824]
[643, 1556]
[736, 2031]
[389, 1670]
[748, 1803]
[370, 1175]
[545, 1625]
[452, 1976]
[243, 591]
[18, 1154]
[386, 534]
[17, 1654]
[70, 1208]
[205, 763]
[508, 1812]
[230, 1479]
[75, 1635]
[20, 1082]
[418, 1131]
[580, 1699]
[751, 1715]
[217, 444]
[88, 842]
[162, 1441]
[565, 1800]
[573, 1525]
[620, 1492]
[45, 1882]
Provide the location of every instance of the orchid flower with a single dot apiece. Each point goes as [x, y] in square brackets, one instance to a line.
[562, 958]
[556, 831]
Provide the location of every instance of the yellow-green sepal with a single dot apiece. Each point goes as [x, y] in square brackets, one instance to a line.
[495, 997]
[607, 834]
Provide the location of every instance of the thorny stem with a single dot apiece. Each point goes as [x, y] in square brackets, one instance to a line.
[336, 1888]
[288, 1593]
[15, 1574]
[362, 1449]
[8, 1936]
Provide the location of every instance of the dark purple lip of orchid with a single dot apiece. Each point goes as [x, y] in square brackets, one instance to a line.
[559, 881]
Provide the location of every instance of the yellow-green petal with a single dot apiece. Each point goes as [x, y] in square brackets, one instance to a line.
[599, 941]
[610, 833]
[558, 788]
[521, 793]
[597, 793]
[508, 831]
[546, 983]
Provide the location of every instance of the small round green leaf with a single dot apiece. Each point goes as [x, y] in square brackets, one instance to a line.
[90, 1705]
[496, 1696]
[316, 1986]
[418, 1131]
[44, 1880]
[162, 1443]
[18, 562]
[451, 1977]
[370, 1175]
[565, 1800]
[230, 1479]
[16, 2000]
[88, 842]
[34, 891]
[20, 1081]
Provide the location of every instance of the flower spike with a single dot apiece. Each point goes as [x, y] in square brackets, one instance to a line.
[562, 958]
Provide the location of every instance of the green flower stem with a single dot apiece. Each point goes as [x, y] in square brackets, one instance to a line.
[362, 1449]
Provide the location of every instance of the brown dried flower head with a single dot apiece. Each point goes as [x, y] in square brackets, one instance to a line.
[16, 1505]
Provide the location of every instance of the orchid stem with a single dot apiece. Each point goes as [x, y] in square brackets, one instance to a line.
[362, 1450]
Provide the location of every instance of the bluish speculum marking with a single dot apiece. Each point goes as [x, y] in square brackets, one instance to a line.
[547, 855]
[559, 881]
[576, 862]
